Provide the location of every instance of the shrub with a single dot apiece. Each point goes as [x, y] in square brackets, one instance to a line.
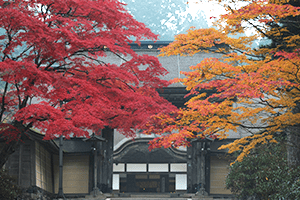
[9, 190]
[264, 174]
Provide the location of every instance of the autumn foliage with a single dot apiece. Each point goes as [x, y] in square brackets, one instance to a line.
[250, 90]
[54, 78]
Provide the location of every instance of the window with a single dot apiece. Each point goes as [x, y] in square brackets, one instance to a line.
[43, 168]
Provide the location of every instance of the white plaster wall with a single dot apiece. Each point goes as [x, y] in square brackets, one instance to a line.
[181, 182]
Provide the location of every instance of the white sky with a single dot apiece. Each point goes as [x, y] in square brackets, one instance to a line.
[210, 9]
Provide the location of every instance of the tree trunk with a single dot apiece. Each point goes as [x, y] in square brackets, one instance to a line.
[293, 146]
[6, 151]
[293, 142]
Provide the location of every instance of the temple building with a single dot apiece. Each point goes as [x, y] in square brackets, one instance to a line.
[122, 166]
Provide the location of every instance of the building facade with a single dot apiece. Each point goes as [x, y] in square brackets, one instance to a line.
[121, 165]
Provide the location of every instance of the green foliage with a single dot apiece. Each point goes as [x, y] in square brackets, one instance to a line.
[264, 174]
[8, 189]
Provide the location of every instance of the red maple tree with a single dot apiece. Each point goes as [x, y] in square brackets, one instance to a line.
[53, 78]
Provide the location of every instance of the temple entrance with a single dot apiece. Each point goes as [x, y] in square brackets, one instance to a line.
[157, 171]
[147, 183]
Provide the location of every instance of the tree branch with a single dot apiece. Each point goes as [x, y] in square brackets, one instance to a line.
[3, 101]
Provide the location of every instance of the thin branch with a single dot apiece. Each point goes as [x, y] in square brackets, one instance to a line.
[251, 127]
[21, 54]
[98, 61]
[19, 97]
[3, 101]
[24, 102]
[268, 104]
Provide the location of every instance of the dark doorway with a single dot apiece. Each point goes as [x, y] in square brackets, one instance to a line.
[147, 183]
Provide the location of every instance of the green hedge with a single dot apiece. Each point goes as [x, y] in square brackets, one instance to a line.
[264, 174]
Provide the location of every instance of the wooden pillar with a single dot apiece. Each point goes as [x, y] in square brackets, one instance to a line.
[207, 166]
[100, 166]
[60, 182]
[189, 170]
[95, 184]
[106, 163]
[202, 168]
[193, 163]
[20, 164]
[197, 167]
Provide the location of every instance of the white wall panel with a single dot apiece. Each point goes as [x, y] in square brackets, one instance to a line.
[116, 182]
[180, 182]
[178, 167]
[158, 167]
[132, 167]
[119, 167]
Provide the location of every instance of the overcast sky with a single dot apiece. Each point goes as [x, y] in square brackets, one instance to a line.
[171, 17]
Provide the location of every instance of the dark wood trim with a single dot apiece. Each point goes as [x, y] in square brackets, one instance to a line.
[207, 175]
[91, 172]
[52, 172]
[20, 164]
[147, 167]
[33, 165]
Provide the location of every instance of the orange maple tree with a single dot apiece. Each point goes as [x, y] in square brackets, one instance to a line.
[256, 90]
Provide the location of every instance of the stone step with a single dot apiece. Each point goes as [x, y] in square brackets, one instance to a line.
[168, 198]
[150, 198]
[146, 198]
[126, 196]
[162, 198]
